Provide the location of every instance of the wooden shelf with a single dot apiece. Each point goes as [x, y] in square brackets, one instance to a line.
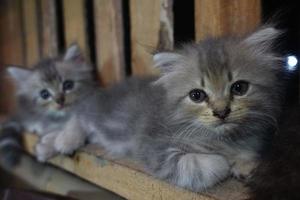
[129, 181]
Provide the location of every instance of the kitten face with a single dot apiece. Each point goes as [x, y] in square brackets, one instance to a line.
[54, 84]
[222, 83]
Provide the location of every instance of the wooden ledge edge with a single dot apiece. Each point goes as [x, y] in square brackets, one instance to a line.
[127, 182]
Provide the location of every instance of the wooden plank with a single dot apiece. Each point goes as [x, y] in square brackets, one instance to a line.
[34, 175]
[223, 17]
[122, 180]
[31, 34]
[75, 24]
[151, 29]
[166, 32]
[11, 40]
[128, 180]
[6, 98]
[109, 40]
[49, 28]
[11, 47]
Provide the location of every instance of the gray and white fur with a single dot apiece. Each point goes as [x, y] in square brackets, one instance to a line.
[46, 93]
[10, 144]
[204, 118]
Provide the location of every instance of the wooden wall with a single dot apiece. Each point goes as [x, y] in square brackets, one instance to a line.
[118, 36]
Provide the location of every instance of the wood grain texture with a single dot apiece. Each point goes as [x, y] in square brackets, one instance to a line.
[49, 28]
[31, 34]
[75, 24]
[11, 47]
[11, 30]
[7, 101]
[108, 17]
[151, 29]
[223, 17]
[128, 180]
[38, 176]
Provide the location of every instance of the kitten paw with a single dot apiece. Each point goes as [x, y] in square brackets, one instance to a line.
[67, 143]
[63, 146]
[44, 152]
[195, 171]
[45, 148]
[242, 170]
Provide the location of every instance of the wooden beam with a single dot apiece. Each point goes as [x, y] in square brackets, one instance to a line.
[223, 17]
[49, 28]
[11, 47]
[75, 24]
[129, 181]
[108, 15]
[151, 29]
[31, 34]
[30, 174]
[11, 40]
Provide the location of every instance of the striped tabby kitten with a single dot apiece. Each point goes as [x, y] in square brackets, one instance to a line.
[204, 118]
[46, 93]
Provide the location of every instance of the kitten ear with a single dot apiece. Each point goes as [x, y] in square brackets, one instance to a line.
[18, 74]
[74, 53]
[263, 38]
[165, 61]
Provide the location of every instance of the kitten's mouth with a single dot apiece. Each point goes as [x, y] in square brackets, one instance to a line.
[60, 107]
[222, 122]
[225, 124]
[219, 121]
[56, 113]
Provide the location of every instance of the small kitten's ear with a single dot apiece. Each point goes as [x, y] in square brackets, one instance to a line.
[18, 74]
[164, 61]
[74, 53]
[262, 38]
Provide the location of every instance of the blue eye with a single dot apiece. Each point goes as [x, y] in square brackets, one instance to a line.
[68, 85]
[45, 94]
[197, 95]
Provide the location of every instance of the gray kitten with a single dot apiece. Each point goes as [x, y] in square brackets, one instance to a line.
[48, 91]
[205, 117]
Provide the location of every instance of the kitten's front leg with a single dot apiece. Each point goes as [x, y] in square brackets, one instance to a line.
[45, 147]
[193, 171]
[70, 138]
[243, 166]
[200, 171]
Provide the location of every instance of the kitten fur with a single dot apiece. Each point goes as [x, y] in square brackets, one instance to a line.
[189, 144]
[43, 116]
[10, 144]
[277, 176]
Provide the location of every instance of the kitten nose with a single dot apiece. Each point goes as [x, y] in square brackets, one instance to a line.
[222, 114]
[60, 100]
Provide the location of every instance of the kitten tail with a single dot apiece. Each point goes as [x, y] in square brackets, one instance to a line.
[10, 144]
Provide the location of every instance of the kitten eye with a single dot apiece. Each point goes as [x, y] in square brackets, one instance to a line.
[239, 88]
[45, 94]
[197, 95]
[68, 85]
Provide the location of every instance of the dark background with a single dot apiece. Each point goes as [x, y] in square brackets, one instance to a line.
[284, 14]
